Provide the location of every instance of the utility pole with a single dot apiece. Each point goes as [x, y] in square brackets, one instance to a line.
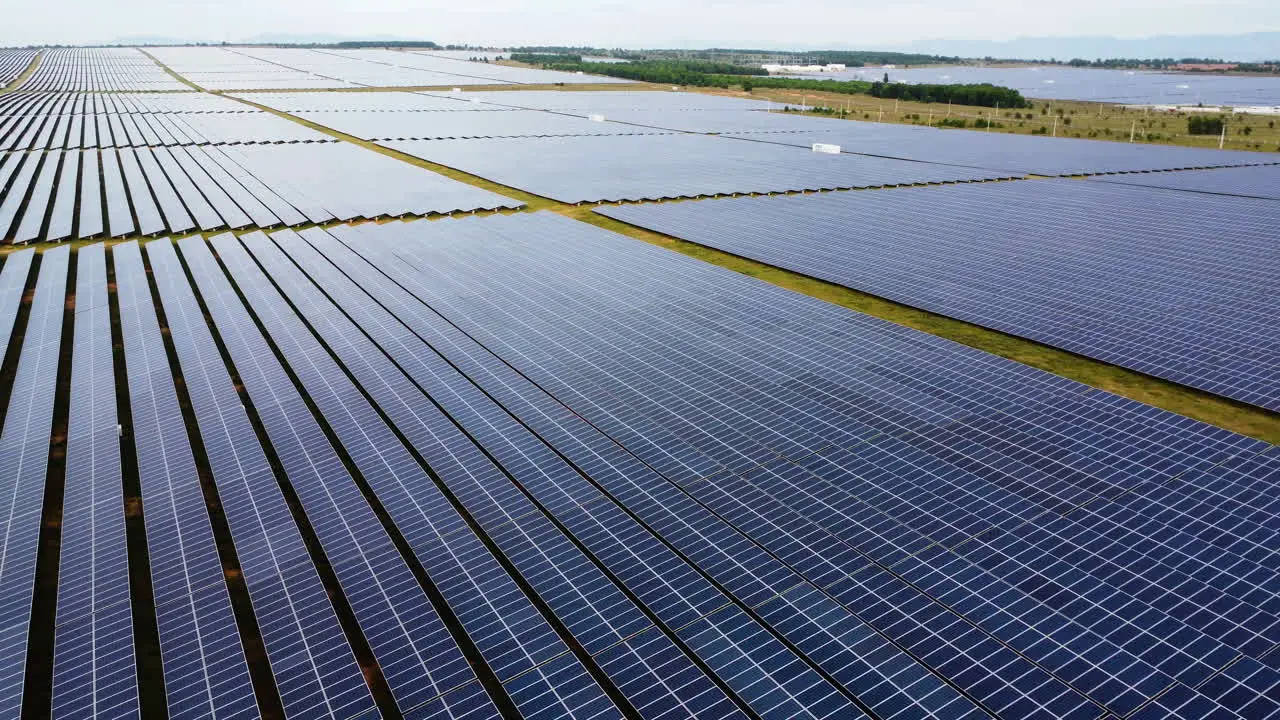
[1055, 126]
[881, 114]
[1133, 129]
[1222, 139]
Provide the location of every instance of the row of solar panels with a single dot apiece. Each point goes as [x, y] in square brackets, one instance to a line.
[58, 195]
[265, 68]
[554, 472]
[100, 70]
[13, 62]
[81, 103]
[1179, 285]
[57, 132]
[596, 102]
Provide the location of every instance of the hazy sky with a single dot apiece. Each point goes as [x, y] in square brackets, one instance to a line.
[646, 23]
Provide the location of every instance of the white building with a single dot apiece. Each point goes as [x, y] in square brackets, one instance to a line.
[774, 69]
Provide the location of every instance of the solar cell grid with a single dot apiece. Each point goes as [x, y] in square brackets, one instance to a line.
[1181, 701]
[635, 167]
[478, 124]
[1116, 273]
[1004, 152]
[181, 188]
[13, 62]
[200, 644]
[572, 586]
[1255, 181]
[442, 542]
[1076, 417]
[99, 70]
[93, 672]
[419, 657]
[602, 102]
[24, 445]
[379, 102]
[597, 526]
[312, 663]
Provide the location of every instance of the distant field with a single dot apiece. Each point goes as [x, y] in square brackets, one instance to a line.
[1074, 118]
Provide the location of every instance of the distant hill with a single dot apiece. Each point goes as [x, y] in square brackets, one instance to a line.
[1249, 47]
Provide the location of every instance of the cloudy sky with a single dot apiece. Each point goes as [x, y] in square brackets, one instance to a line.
[649, 23]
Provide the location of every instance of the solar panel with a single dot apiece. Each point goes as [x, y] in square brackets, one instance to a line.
[313, 666]
[200, 646]
[28, 228]
[93, 659]
[998, 151]
[1259, 181]
[24, 455]
[1121, 274]
[24, 174]
[921, 482]
[598, 102]
[90, 221]
[176, 217]
[150, 220]
[609, 532]
[119, 218]
[152, 188]
[636, 167]
[99, 70]
[63, 213]
[1180, 702]
[13, 281]
[598, 615]
[464, 124]
[418, 656]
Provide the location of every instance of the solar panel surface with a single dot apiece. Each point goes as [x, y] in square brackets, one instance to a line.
[210, 187]
[1256, 181]
[94, 674]
[636, 167]
[313, 666]
[24, 454]
[1171, 284]
[978, 435]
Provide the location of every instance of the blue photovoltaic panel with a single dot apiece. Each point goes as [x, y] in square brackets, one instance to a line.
[1248, 688]
[995, 151]
[24, 456]
[511, 639]
[481, 123]
[314, 668]
[199, 642]
[1176, 285]
[934, 476]
[1262, 181]
[608, 531]
[93, 658]
[638, 167]
[1182, 703]
[416, 652]
[598, 102]
[13, 281]
[595, 611]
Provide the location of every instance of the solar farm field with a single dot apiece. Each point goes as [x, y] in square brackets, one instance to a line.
[327, 393]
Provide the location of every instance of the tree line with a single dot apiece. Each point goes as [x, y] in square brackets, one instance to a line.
[697, 73]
